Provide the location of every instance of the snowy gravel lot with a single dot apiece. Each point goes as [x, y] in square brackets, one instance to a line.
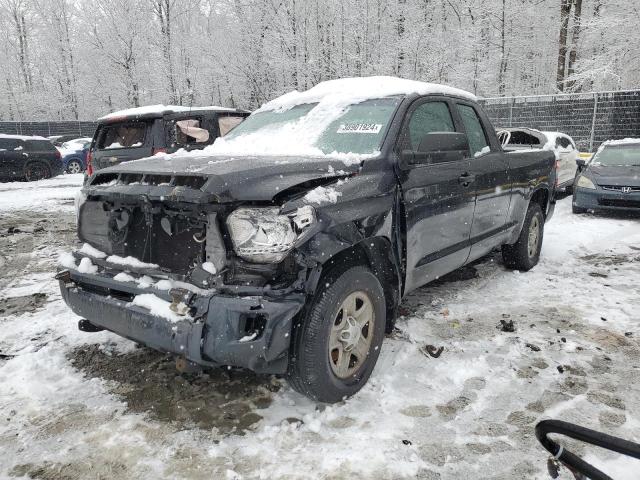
[76, 405]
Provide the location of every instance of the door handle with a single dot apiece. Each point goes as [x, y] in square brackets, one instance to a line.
[466, 179]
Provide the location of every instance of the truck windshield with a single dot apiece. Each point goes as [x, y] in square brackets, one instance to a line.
[310, 129]
[618, 155]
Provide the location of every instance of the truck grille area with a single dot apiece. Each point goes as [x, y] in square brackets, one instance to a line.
[192, 181]
[175, 241]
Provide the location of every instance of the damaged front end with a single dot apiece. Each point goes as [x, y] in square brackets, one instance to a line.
[166, 264]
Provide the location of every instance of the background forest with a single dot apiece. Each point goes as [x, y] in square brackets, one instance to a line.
[78, 59]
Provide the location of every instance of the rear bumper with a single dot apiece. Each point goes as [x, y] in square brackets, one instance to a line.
[211, 337]
[603, 200]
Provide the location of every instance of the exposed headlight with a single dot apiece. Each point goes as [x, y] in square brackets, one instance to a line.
[262, 235]
[584, 182]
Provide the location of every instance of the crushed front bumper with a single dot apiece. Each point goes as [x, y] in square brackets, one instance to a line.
[215, 334]
[603, 200]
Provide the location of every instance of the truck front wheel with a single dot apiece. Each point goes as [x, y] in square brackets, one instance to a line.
[525, 253]
[337, 342]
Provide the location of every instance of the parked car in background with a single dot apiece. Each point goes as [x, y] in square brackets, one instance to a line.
[518, 139]
[28, 158]
[142, 132]
[58, 140]
[288, 246]
[74, 154]
[610, 180]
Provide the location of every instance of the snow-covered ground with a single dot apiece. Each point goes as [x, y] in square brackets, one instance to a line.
[79, 405]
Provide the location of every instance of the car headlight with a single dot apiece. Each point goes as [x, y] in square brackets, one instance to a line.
[584, 182]
[262, 235]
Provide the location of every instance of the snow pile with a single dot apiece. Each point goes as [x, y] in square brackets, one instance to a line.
[58, 195]
[86, 266]
[66, 260]
[91, 251]
[124, 277]
[322, 195]
[130, 262]
[209, 267]
[158, 307]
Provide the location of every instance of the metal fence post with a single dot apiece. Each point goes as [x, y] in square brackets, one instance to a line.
[593, 121]
[513, 100]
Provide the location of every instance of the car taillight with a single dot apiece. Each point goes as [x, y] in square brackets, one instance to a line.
[158, 150]
[58, 154]
[557, 170]
[89, 164]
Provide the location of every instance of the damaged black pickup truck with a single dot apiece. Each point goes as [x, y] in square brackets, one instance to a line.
[287, 246]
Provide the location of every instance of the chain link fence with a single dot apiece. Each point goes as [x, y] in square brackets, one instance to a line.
[47, 129]
[589, 118]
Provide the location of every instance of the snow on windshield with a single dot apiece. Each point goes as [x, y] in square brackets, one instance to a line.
[345, 118]
[618, 153]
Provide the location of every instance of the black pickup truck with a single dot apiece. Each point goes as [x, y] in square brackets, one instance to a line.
[252, 255]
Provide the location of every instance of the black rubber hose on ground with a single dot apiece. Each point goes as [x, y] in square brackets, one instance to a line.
[586, 435]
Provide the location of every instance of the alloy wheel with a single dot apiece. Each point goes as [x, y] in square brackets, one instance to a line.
[351, 335]
[534, 237]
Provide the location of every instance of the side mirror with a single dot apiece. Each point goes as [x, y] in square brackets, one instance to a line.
[581, 163]
[437, 147]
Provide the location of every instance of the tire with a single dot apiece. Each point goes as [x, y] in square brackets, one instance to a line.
[525, 253]
[330, 374]
[74, 166]
[37, 171]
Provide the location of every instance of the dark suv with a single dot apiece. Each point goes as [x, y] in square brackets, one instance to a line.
[143, 132]
[28, 158]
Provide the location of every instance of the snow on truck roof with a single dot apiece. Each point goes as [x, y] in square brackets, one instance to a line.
[21, 137]
[348, 91]
[150, 110]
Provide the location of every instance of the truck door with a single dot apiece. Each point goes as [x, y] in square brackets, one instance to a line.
[438, 202]
[492, 185]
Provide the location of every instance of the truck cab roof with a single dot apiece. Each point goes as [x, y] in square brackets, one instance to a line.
[157, 111]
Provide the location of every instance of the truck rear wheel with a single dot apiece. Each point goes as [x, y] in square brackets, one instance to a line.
[525, 253]
[337, 343]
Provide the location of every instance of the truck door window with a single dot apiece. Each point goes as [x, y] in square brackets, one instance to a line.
[475, 133]
[189, 132]
[227, 122]
[428, 118]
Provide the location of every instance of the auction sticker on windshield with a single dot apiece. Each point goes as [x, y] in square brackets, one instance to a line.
[360, 128]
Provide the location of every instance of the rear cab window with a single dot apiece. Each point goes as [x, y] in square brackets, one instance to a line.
[122, 135]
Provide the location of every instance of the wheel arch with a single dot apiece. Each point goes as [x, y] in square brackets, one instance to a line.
[542, 197]
[376, 253]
